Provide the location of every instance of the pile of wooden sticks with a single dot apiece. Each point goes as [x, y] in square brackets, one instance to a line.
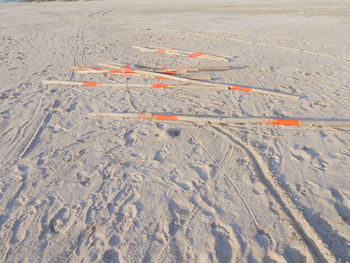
[186, 78]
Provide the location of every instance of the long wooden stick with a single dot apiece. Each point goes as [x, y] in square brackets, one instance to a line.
[116, 85]
[225, 120]
[185, 53]
[181, 69]
[173, 70]
[198, 68]
[129, 72]
[223, 86]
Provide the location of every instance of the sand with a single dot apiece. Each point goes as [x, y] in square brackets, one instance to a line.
[74, 189]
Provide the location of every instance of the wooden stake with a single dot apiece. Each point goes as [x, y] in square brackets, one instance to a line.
[190, 54]
[116, 85]
[129, 72]
[202, 83]
[225, 120]
[178, 69]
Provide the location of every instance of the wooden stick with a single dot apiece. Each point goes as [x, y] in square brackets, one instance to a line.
[93, 84]
[190, 54]
[128, 72]
[198, 68]
[161, 69]
[116, 85]
[223, 86]
[225, 120]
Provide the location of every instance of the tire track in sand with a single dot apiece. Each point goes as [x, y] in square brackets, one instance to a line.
[310, 237]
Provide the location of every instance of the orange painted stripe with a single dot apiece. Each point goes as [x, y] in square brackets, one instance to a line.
[169, 72]
[192, 56]
[241, 88]
[129, 70]
[163, 86]
[161, 77]
[90, 84]
[284, 122]
[97, 68]
[161, 50]
[160, 85]
[198, 53]
[157, 117]
[165, 117]
[114, 71]
[126, 74]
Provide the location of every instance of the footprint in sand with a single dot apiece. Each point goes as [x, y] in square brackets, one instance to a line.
[110, 256]
[21, 227]
[223, 248]
[342, 210]
[59, 222]
[308, 154]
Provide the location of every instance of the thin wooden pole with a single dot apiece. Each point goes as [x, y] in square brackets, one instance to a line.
[189, 54]
[116, 85]
[223, 86]
[225, 120]
[129, 72]
[164, 69]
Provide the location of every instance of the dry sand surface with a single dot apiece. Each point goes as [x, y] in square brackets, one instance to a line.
[74, 189]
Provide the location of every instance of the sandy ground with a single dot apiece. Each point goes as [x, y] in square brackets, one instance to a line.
[74, 189]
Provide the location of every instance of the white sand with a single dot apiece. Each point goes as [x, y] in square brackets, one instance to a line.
[79, 190]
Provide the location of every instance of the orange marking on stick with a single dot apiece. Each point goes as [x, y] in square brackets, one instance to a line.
[161, 50]
[97, 68]
[163, 86]
[284, 122]
[198, 53]
[165, 117]
[161, 77]
[241, 88]
[169, 72]
[157, 117]
[129, 70]
[192, 56]
[90, 84]
[160, 85]
[115, 71]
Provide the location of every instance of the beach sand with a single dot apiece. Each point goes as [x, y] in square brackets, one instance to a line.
[75, 189]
